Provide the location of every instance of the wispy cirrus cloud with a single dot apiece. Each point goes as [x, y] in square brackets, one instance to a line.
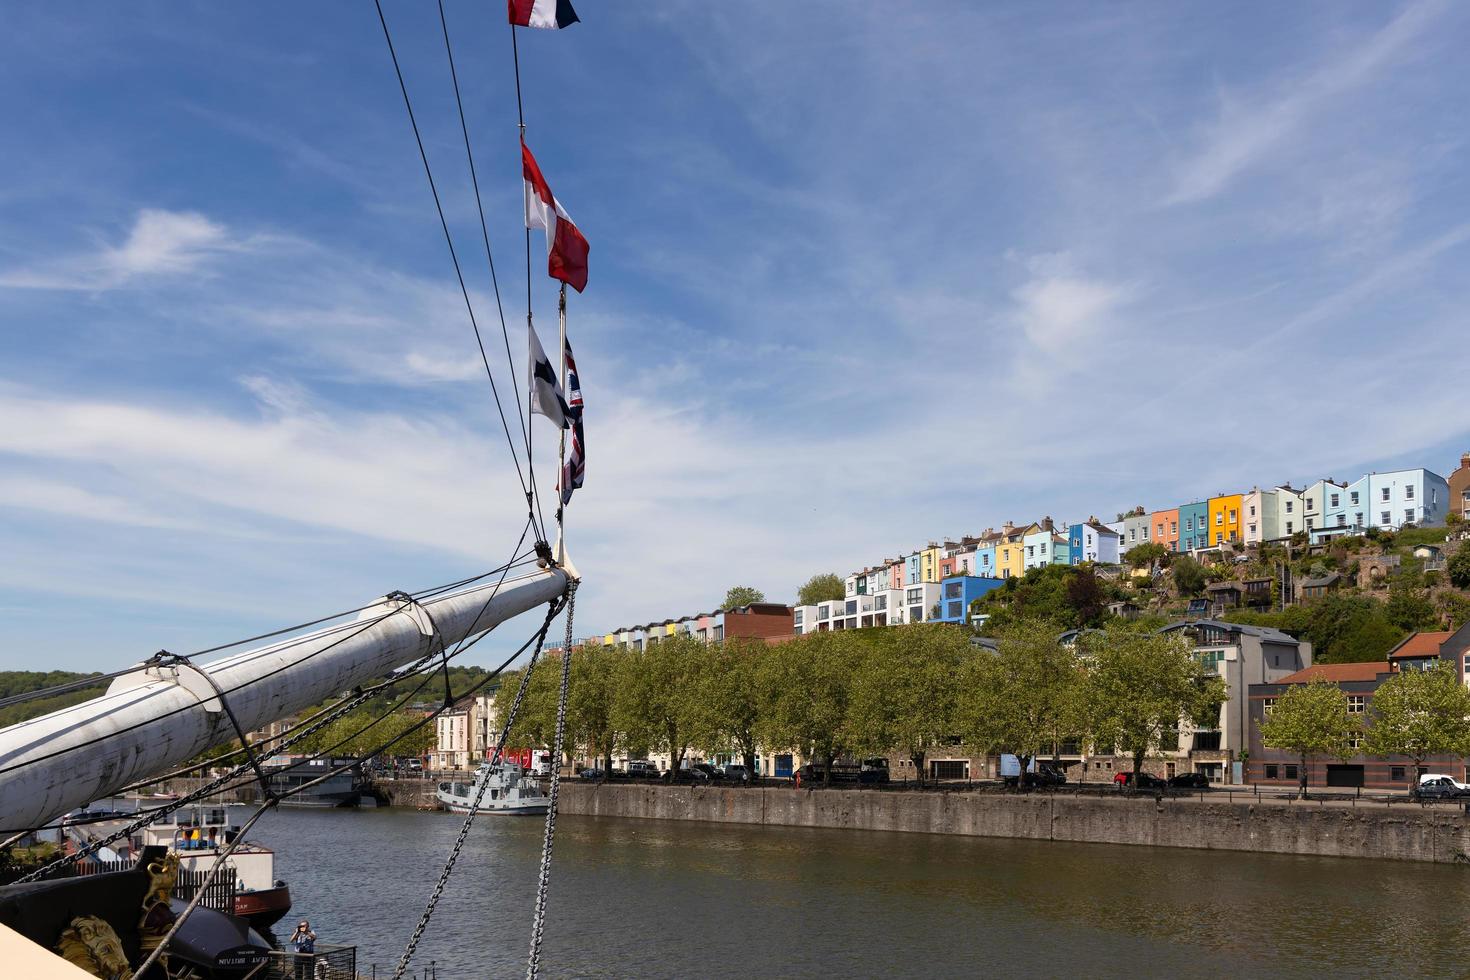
[1248, 130]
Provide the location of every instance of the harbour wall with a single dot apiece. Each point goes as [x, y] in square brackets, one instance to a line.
[1403, 832]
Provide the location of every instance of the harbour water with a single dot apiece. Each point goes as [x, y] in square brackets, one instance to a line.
[645, 898]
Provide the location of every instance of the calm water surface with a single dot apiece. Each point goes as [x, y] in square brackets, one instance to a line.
[645, 898]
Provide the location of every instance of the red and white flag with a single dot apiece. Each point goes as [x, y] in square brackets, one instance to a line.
[542, 13]
[566, 248]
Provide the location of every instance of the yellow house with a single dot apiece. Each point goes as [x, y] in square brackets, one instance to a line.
[929, 562]
[1224, 517]
[1010, 552]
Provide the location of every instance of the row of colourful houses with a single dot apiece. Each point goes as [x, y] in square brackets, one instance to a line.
[1323, 510]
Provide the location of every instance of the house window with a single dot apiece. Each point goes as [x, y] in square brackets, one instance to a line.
[1309, 523]
[1310, 502]
[1219, 518]
[1355, 742]
[1385, 518]
[1358, 519]
[1043, 547]
[1252, 531]
[1409, 492]
[1219, 537]
[1288, 506]
[1342, 520]
[1272, 771]
[1268, 705]
[1356, 703]
[954, 610]
[1031, 551]
[1409, 515]
[1289, 527]
[916, 614]
[1173, 528]
[1353, 497]
[1385, 493]
[915, 595]
[1335, 499]
[1396, 773]
[1291, 772]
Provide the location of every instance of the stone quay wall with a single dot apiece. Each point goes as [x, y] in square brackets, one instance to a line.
[1403, 832]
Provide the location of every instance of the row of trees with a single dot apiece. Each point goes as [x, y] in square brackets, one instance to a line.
[849, 693]
[1416, 713]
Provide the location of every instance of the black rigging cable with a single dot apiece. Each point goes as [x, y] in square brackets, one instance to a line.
[526, 488]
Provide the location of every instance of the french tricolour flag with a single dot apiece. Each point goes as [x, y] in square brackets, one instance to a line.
[542, 13]
[566, 248]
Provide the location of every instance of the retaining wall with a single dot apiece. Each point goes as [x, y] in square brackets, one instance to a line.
[1405, 833]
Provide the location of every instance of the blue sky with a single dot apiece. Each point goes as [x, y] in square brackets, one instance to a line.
[858, 281]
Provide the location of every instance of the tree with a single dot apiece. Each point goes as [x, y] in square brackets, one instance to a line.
[742, 595]
[1189, 575]
[1086, 597]
[806, 683]
[1459, 568]
[904, 693]
[655, 704]
[826, 587]
[591, 694]
[1142, 685]
[1311, 719]
[1410, 609]
[1349, 629]
[1420, 713]
[1145, 554]
[535, 721]
[728, 702]
[1026, 698]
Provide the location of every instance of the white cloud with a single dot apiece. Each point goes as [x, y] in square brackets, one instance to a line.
[1060, 312]
[66, 500]
[1247, 132]
[160, 243]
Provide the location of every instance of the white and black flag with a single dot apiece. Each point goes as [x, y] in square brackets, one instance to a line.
[574, 470]
[546, 395]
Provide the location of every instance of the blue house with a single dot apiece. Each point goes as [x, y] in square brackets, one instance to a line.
[958, 591]
[1194, 525]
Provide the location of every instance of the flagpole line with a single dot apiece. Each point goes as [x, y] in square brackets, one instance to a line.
[515, 54]
[561, 451]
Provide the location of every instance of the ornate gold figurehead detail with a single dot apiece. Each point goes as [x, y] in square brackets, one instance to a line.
[91, 944]
[157, 916]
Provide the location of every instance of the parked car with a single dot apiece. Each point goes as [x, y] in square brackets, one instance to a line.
[592, 774]
[1189, 780]
[1043, 775]
[415, 765]
[642, 769]
[690, 774]
[1438, 786]
[714, 773]
[737, 773]
[1124, 780]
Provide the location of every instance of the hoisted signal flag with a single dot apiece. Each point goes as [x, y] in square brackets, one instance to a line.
[546, 396]
[575, 468]
[542, 13]
[566, 248]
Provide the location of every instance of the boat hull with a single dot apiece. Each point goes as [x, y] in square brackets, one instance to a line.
[264, 907]
[528, 810]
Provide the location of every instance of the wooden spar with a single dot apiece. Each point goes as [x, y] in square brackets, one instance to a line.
[159, 718]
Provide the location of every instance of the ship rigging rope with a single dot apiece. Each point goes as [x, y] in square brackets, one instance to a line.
[553, 608]
[481, 785]
[543, 881]
[221, 783]
[428, 593]
[355, 629]
[533, 499]
[359, 695]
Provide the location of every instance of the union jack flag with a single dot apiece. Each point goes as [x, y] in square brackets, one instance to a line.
[575, 467]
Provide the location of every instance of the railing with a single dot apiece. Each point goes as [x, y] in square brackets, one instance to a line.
[220, 894]
[327, 963]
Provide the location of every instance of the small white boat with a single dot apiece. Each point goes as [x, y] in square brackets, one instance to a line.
[508, 790]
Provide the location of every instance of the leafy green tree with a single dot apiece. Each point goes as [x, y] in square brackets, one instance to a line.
[1346, 628]
[1459, 568]
[806, 684]
[1145, 554]
[535, 722]
[1141, 685]
[655, 703]
[1086, 597]
[591, 693]
[742, 595]
[1311, 719]
[1420, 713]
[1410, 609]
[1026, 698]
[826, 587]
[904, 694]
[728, 699]
[1189, 575]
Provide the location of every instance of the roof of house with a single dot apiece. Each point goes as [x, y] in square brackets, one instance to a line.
[1419, 645]
[1264, 632]
[1313, 583]
[1338, 673]
[1223, 587]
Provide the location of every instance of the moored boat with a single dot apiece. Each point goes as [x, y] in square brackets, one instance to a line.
[508, 790]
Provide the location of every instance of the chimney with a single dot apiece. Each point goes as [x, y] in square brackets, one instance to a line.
[1465, 461]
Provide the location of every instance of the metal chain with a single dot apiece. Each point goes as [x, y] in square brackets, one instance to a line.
[515, 706]
[538, 924]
